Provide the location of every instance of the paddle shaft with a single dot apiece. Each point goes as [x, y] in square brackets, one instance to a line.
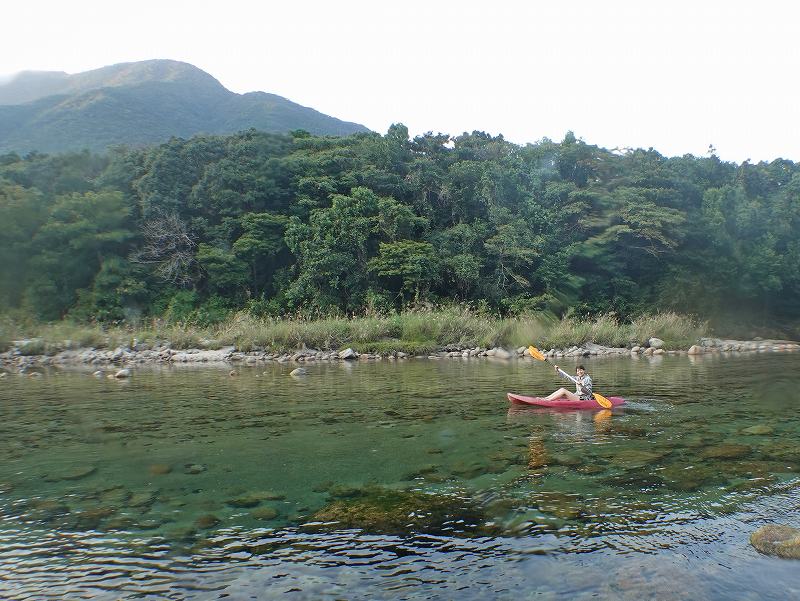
[563, 373]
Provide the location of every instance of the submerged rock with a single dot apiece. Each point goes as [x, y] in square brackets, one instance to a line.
[727, 451]
[395, 512]
[142, 499]
[758, 430]
[243, 501]
[159, 469]
[115, 496]
[637, 457]
[561, 505]
[300, 371]
[264, 513]
[687, 478]
[251, 499]
[206, 521]
[779, 540]
[77, 473]
[567, 459]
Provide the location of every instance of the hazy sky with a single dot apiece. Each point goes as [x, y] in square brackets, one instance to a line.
[675, 75]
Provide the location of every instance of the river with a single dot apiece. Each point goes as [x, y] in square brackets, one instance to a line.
[401, 480]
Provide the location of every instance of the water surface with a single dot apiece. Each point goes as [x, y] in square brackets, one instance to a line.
[403, 480]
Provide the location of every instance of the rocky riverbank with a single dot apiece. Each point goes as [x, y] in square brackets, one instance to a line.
[16, 359]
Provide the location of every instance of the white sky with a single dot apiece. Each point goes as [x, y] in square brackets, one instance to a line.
[675, 75]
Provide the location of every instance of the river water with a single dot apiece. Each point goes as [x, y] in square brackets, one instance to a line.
[412, 480]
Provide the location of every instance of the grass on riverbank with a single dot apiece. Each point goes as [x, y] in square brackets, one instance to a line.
[414, 332]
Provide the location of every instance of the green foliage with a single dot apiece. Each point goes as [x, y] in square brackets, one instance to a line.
[320, 228]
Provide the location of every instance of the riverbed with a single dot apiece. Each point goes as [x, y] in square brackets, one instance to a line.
[412, 480]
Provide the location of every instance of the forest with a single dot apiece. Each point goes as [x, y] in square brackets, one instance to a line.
[294, 224]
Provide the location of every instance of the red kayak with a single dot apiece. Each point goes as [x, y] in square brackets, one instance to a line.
[518, 399]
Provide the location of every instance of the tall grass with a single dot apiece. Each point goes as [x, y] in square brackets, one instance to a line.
[415, 331]
[677, 331]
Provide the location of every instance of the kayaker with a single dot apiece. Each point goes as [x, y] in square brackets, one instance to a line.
[583, 386]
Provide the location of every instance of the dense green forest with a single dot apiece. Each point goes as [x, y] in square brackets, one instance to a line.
[286, 224]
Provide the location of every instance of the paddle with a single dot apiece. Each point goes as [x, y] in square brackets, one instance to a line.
[601, 400]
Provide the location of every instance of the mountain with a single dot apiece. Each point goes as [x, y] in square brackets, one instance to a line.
[137, 104]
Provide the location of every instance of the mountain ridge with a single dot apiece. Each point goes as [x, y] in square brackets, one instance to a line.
[138, 104]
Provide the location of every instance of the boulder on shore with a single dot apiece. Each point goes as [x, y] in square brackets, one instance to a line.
[655, 343]
[501, 353]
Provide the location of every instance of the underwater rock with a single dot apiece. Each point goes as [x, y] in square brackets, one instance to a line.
[185, 534]
[142, 499]
[77, 473]
[779, 540]
[46, 509]
[635, 479]
[121, 523]
[115, 496]
[567, 460]
[757, 430]
[344, 492]
[251, 499]
[206, 521]
[561, 505]
[687, 478]
[270, 495]
[396, 512]
[637, 457]
[591, 469]
[727, 451]
[421, 472]
[243, 502]
[264, 513]
[467, 469]
[90, 519]
[300, 371]
[123, 373]
[194, 468]
[150, 524]
[323, 486]
[783, 451]
[159, 469]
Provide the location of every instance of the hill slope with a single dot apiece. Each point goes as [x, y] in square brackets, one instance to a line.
[138, 104]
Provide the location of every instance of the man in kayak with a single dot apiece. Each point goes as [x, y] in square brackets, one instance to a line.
[583, 386]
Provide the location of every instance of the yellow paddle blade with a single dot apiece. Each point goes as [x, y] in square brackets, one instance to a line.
[536, 354]
[602, 401]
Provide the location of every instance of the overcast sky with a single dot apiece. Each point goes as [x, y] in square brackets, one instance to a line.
[675, 75]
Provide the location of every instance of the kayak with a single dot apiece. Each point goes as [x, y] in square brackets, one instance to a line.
[518, 399]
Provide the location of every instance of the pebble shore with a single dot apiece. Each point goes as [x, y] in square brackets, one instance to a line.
[14, 360]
